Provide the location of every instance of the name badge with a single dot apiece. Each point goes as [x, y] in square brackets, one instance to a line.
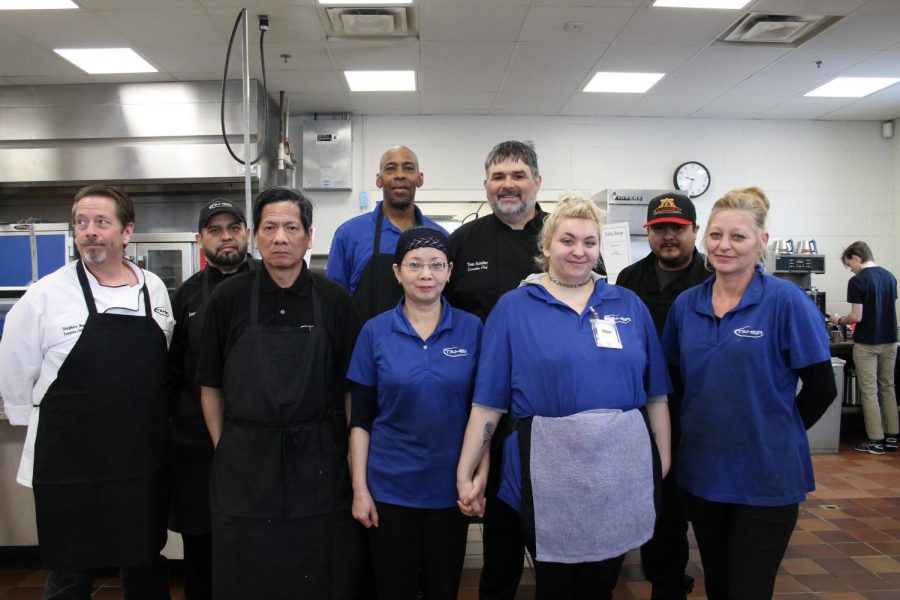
[606, 334]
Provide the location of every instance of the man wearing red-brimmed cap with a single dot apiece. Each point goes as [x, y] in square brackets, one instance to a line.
[673, 265]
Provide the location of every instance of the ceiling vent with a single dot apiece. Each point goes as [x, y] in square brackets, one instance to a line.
[380, 22]
[765, 29]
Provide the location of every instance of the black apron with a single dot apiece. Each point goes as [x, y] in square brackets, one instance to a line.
[189, 509]
[280, 493]
[102, 448]
[378, 289]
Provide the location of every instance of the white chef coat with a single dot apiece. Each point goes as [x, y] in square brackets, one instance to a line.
[41, 329]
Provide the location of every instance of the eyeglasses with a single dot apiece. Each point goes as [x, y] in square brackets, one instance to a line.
[416, 266]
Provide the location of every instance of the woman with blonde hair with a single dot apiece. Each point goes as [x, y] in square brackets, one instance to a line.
[578, 365]
[741, 340]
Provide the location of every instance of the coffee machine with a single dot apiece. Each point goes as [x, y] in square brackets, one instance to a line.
[783, 262]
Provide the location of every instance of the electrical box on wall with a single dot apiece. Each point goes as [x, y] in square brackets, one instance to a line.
[327, 155]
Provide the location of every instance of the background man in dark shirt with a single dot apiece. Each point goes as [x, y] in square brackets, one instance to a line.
[491, 255]
[222, 235]
[276, 345]
[673, 265]
[872, 294]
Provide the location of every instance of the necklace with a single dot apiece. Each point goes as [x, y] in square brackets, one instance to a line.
[569, 285]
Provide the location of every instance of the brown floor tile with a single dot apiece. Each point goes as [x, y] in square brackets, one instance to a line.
[23, 593]
[864, 582]
[841, 596]
[841, 566]
[869, 535]
[823, 583]
[879, 564]
[855, 549]
[816, 525]
[788, 584]
[14, 577]
[891, 548]
[833, 537]
[801, 566]
[816, 551]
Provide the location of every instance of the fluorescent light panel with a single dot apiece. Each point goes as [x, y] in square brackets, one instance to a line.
[362, 2]
[622, 83]
[106, 60]
[722, 4]
[852, 87]
[381, 81]
[36, 4]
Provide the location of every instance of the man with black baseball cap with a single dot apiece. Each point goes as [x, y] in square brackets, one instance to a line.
[673, 265]
[222, 236]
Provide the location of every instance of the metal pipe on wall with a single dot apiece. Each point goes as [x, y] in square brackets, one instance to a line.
[245, 86]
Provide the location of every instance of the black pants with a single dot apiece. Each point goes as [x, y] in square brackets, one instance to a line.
[197, 566]
[148, 581]
[665, 556]
[503, 544]
[741, 546]
[418, 548]
[581, 581]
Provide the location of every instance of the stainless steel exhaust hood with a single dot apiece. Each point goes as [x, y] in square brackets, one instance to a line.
[140, 132]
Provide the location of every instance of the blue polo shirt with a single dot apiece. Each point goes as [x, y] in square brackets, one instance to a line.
[424, 392]
[742, 439]
[351, 247]
[539, 358]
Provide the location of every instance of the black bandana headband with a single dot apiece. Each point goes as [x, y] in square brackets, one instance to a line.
[420, 237]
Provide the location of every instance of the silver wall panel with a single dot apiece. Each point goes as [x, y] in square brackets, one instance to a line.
[122, 93]
[327, 155]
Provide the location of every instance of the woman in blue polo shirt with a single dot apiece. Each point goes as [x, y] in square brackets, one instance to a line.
[574, 360]
[413, 370]
[741, 340]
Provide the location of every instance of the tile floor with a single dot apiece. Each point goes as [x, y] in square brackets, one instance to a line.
[846, 545]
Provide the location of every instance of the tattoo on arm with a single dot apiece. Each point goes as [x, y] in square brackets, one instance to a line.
[488, 434]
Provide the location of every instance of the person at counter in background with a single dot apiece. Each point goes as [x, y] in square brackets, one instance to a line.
[413, 370]
[84, 363]
[222, 236]
[872, 293]
[575, 361]
[276, 345]
[362, 250]
[673, 265]
[740, 341]
[493, 254]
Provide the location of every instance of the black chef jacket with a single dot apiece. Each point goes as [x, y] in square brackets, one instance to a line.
[489, 259]
[641, 278]
[228, 316]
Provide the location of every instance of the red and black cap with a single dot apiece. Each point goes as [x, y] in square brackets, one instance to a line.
[671, 208]
[220, 205]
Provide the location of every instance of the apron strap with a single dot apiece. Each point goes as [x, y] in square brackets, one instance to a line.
[89, 295]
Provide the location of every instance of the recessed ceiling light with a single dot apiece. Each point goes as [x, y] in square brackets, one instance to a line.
[622, 83]
[852, 87]
[361, 2]
[36, 4]
[725, 4]
[381, 81]
[106, 60]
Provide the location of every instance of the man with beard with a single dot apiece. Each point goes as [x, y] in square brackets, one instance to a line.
[84, 363]
[362, 251]
[223, 238]
[491, 256]
[673, 265]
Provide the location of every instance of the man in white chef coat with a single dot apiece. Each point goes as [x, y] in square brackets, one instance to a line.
[84, 364]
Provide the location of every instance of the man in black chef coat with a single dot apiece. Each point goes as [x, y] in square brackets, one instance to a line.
[673, 265]
[276, 344]
[491, 255]
[222, 236]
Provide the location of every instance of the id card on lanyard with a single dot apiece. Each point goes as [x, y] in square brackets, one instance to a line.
[606, 334]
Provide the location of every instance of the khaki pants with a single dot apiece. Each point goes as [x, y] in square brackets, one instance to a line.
[875, 374]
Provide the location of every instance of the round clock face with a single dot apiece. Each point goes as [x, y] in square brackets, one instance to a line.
[692, 178]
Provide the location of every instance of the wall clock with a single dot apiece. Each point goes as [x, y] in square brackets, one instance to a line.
[692, 178]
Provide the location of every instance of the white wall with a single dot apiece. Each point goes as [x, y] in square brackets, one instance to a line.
[830, 181]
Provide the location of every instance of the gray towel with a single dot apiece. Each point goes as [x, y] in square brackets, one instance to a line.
[592, 480]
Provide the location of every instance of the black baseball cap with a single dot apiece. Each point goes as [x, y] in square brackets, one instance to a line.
[220, 205]
[671, 208]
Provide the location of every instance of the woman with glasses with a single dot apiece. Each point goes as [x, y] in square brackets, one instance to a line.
[575, 361]
[412, 374]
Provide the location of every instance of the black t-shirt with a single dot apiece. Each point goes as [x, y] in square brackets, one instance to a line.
[228, 316]
[489, 259]
[876, 289]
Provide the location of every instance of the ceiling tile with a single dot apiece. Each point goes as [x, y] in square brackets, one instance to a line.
[869, 31]
[808, 7]
[64, 28]
[667, 105]
[478, 103]
[602, 25]
[300, 56]
[605, 105]
[161, 25]
[806, 108]
[374, 55]
[303, 103]
[466, 55]
[539, 102]
[287, 24]
[307, 81]
[645, 58]
[733, 60]
[460, 80]
[528, 81]
[449, 23]
[802, 62]
[385, 103]
[678, 26]
[542, 56]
